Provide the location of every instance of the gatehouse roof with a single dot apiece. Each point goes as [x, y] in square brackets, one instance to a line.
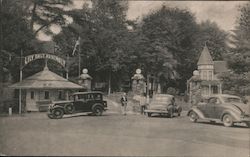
[45, 79]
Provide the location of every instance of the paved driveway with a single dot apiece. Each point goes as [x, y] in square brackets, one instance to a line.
[116, 135]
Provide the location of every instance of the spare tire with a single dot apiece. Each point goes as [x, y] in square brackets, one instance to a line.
[69, 108]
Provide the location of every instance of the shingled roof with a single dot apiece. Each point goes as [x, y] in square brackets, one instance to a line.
[220, 66]
[45, 79]
[205, 57]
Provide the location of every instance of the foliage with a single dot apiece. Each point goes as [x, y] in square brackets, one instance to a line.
[239, 56]
[45, 13]
[238, 84]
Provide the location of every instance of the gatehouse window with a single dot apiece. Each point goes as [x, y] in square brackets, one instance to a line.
[46, 95]
[32, 95]
[60, 95]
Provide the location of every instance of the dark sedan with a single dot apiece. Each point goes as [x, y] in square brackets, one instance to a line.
[91, 102]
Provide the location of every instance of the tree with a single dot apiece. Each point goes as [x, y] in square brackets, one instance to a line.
[214, 37]
[237, 81]
[46, 13]
[102, 29]
[240, 52]
[170, 33]
[16, 35]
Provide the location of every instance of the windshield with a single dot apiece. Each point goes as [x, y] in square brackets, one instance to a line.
[231, 99]
[162, 99]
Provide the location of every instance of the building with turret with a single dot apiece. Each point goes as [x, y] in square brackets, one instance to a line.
[205, 81]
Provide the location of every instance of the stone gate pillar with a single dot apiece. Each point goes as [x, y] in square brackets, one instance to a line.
[85, 80]
[138, 83]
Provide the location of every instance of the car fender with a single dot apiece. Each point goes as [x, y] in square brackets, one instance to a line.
[197, 111]
[97, 104]
[57, 106]
[236, 117]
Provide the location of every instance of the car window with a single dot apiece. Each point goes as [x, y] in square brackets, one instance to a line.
[212, 100]
[161, 99]
[228, 99]
[98, 97]
[81, 97]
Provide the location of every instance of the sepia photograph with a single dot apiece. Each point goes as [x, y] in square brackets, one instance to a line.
[125, 78]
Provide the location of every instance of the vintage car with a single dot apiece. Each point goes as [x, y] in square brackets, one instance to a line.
[163, 104]
[226, 108]
[91, 102]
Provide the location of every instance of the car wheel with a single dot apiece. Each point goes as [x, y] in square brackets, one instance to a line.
[58, 113]
[97, 111]
[51, 116]
[193, 116]
[149, 114]
[227, 120]
[170, 113]
[248, 124]
[69, 108]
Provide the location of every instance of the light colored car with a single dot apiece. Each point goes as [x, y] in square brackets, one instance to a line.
[228, 109]
[163, 104]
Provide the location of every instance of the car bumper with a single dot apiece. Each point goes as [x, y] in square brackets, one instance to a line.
[245, 119]
[156, 111]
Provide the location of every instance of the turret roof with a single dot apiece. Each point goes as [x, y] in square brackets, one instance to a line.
[205, 57]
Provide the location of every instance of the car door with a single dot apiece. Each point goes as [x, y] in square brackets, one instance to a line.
[79, 103]
[208, 108]
[218, 109]
[88, 103]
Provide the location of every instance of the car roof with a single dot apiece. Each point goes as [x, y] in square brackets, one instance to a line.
[92, 92]
[223, 95]
[163, 95]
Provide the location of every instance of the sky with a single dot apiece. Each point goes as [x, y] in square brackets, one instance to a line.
[224, 13]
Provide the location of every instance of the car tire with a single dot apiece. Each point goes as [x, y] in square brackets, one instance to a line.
[248, 124]
[69, 108]
[193, 116]
[149, 114]
[171, 113]
[98, 110]
[51, 116]
[58, 113]
[227, 120]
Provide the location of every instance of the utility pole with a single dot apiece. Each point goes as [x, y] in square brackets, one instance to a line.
[79, 57]
[147, 88]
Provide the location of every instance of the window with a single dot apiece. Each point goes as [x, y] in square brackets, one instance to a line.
[46, 94]
[60, 95]
[210, 75]
[32, 95]
[204, 75]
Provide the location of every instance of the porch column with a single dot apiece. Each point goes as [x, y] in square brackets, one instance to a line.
[209, 90]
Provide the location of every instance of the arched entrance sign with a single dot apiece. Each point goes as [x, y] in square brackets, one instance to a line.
[33, 57]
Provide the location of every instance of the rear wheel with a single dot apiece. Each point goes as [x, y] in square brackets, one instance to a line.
[58, 113]
[193, 116]
[227, 120]
[248, 124]
[98, 111]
